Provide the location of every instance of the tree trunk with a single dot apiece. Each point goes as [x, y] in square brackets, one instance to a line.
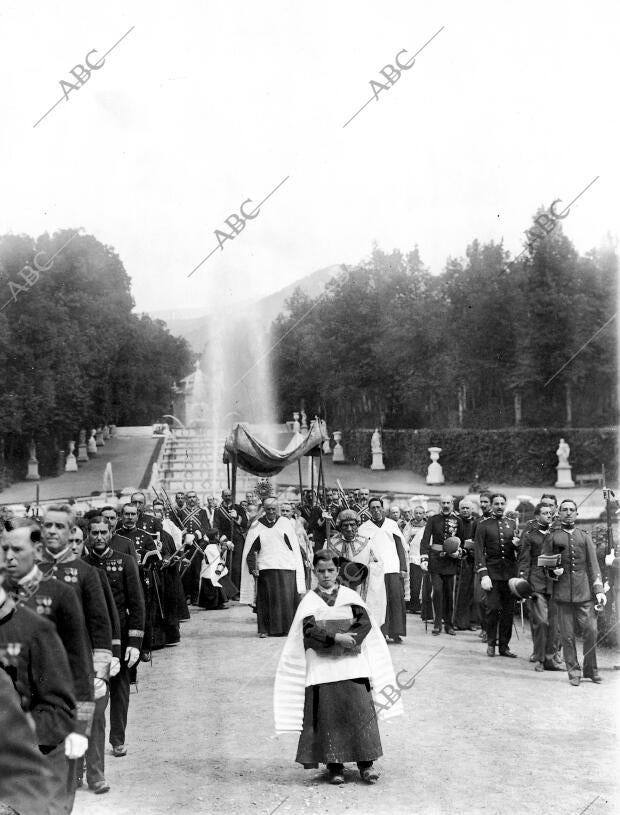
[461, 400]
[569, 405]
[517, 404]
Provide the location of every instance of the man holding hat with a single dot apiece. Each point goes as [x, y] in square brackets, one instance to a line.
[579, 582]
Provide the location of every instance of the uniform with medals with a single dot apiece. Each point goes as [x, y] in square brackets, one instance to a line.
[122, 574]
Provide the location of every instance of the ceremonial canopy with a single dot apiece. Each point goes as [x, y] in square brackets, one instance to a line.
[248, 453]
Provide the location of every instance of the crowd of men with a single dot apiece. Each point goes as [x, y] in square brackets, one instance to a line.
[84, 601]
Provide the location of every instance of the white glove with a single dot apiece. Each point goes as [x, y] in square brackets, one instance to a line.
[189, 537]
[424, 566]
[100, 688]
[132, 655]
[558, 571]
[115, 666]
[486, 583]
[75, 745]
[609, 559]
[601, 599]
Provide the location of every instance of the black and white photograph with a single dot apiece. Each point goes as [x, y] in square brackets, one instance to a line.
[309, 493]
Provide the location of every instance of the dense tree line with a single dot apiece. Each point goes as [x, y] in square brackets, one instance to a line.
[72, 353]
[388, 344]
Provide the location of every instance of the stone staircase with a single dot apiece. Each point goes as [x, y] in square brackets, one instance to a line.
[191, 459]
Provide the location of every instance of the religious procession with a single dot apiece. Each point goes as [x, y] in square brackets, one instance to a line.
[88, 599]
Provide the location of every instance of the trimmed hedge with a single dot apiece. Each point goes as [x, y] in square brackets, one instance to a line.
[509, 456]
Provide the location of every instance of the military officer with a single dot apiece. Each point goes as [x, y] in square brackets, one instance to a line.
[578, 583]
[57, 603]
[441, 566]
[58, 560]
[122, 574]
[496, 543]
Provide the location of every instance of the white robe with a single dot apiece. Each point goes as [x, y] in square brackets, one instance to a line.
[274, 554]
[293, 672]
[383, 543]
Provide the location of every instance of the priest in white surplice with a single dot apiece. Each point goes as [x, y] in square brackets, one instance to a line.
[272, 555]
[387, 542]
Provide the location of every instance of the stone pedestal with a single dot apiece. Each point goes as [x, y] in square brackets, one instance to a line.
[99, 437]
[33, 463]
[82, 448]
[377, 461]
[434, 475]
[565, 476]
[92, 444]
[106, 432]
[60, 462]
[112, 431]
[71, 462]
[338, 457]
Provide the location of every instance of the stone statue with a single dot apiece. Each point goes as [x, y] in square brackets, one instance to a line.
[296, 425]
[565, 476]
[33, 462]
[326, 446]
[92, 443]
[376, 449]
[71, 462]
[375, 442]
[563, 452]
[304, 420]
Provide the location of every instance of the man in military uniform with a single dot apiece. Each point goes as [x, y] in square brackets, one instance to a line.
[122, 574]
[543, 612]
[34, 658]
[231, 520]
[24, 778]
[59, 561]
[57, 603]
[146, 520]
[195, 521]
[118, 542]
[441, 566]
[149, 561]
[496, 544]
[480, 596]
[577, 585]
[464, 609]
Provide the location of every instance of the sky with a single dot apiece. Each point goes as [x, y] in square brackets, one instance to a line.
[204, 105]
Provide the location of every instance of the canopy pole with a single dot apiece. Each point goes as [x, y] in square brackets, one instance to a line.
[233, 486]
[301, 486]
[328, 523]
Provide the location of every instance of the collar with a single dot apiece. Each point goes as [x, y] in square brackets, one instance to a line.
[62, 557]
[267, 523]
[378, 523]
[101, 556]
[30, 580]
[568, 527]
